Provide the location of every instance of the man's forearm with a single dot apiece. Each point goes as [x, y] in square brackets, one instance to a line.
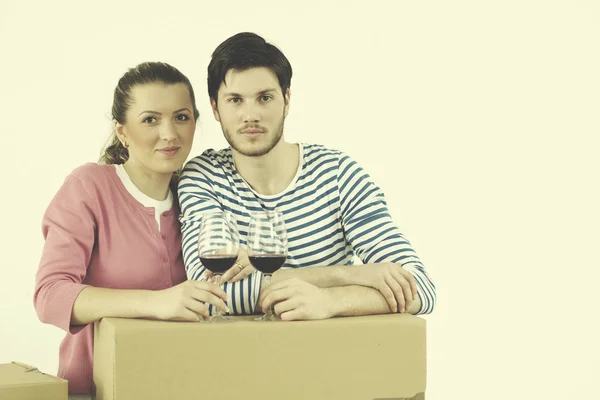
[323, 277]
[350, 296]
[360, 300]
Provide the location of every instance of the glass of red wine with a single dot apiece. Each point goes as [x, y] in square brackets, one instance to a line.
[267, 248]
[218, 248]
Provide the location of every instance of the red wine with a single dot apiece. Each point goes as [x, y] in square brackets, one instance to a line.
[267, 263]
[218, 263]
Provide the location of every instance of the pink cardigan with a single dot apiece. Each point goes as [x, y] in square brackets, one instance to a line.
[97, 234]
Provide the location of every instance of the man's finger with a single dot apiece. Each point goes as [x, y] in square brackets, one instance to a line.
[242, 274]
[274, 286]
[230, 273]
[293, 315]
[389, 296]
[286, 305]
[397, 292]
[407, 292]
[411, 280]
[275, 297]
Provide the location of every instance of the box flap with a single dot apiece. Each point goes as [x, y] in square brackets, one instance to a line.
[20, 374]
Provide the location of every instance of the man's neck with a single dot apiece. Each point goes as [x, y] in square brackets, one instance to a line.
[271, 173]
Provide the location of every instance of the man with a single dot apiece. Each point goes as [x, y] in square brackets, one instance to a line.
[331, 207]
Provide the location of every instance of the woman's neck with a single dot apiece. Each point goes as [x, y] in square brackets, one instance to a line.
[153, 184]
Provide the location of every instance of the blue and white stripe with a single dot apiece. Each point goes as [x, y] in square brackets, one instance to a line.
[332, 211]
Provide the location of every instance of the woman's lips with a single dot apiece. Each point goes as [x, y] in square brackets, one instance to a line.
[169, 151]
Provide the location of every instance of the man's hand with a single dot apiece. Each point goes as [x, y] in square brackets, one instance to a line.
[241, 269]
[396, 284]
[294, 299]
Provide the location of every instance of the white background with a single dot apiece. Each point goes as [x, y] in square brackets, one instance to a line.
[479, 119]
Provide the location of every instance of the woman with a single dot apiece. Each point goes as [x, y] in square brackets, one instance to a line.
[112, 238]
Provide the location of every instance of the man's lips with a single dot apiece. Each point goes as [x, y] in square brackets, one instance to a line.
[252, 131]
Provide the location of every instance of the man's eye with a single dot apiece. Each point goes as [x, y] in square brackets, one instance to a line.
[235, 100]
[265, 98]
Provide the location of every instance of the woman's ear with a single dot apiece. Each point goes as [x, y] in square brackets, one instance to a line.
[121, 134]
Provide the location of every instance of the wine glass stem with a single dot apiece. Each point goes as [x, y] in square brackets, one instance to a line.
[217, 281]
[271, 311]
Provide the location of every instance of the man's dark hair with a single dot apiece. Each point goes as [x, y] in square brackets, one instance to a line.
[243, 51]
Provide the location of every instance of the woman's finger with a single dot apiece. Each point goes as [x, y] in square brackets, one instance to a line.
[208, 297]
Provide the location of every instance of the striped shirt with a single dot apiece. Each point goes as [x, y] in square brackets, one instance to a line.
[332, 210]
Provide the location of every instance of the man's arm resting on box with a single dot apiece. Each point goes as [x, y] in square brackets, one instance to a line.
[397, 285]
[295, 299]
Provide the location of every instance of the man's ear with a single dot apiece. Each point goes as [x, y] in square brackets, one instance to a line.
[286, 99]
[215, 110]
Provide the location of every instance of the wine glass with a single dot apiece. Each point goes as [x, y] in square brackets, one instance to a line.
[267, 248]
[218, 248]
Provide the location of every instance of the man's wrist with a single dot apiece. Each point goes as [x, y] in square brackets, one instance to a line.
[348, 275]
[334, 302]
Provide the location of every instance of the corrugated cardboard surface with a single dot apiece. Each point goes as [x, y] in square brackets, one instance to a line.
[20, 381]
[341, 358]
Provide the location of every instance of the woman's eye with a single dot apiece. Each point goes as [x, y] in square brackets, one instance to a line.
[148, 120]
[182, 117]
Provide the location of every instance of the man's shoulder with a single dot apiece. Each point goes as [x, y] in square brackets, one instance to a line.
[313, 151]
[318, 154]
[209, 159]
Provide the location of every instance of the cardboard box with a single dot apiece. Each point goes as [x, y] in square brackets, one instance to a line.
[362, 358]
[20, 381]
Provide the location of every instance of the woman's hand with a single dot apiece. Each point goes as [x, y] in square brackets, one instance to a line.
[188, 301]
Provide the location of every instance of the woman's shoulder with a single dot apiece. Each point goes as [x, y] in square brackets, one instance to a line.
[95, 180]
[94, 174]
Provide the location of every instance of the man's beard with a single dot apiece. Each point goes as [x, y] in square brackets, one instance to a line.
[256, 152]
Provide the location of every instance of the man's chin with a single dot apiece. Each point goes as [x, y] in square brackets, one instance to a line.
[257, 152]
[252, 149]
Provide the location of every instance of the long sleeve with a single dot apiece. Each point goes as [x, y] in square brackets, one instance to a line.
[371, 232]
[68, 228]
[197, 192]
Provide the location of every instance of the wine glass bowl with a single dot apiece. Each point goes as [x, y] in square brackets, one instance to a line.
[218, 248]
[267, 247]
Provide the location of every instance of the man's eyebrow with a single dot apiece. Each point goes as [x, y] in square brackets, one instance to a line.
[157, 113]
[267, 91]
[233, 94]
